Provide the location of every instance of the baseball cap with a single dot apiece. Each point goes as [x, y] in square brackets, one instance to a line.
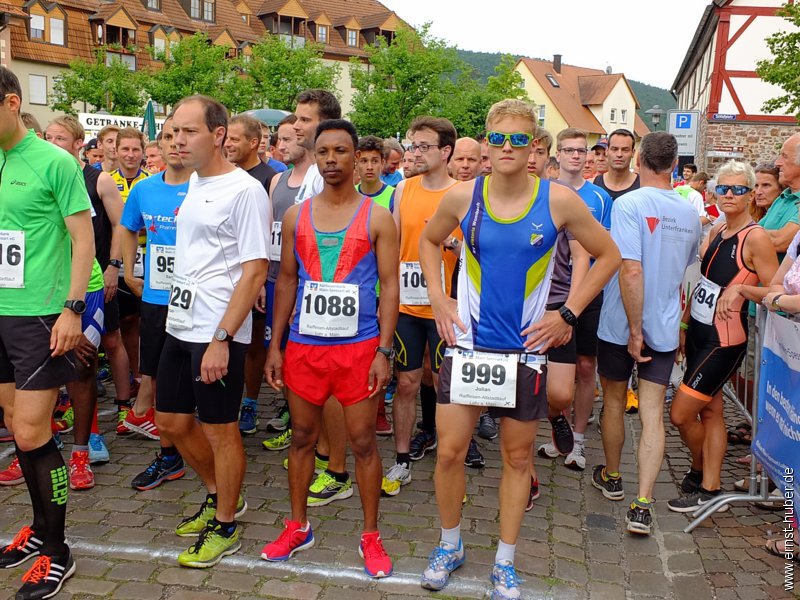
[91, 144]
[601, 143]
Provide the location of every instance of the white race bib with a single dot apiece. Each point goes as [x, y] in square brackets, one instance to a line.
[162, 266]
[275, 241]
[12, 259]
[413, 287]
[704, 301]
[329, 309]
[484, 378]
[138, 266]
[181, 299]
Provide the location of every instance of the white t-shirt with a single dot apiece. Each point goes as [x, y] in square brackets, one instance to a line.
[661, 230]
[311, 186]
[223, 222]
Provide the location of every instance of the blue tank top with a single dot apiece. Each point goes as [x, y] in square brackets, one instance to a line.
[506, 265]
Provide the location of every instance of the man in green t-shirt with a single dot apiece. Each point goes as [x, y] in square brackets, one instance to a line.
[46, 255]
[781, 221]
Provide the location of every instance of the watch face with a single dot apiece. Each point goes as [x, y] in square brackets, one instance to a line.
[80, 306]
[220, 335]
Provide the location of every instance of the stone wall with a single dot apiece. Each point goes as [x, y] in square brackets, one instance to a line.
[761, 142]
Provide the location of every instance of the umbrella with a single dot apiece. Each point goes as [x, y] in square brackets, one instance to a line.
[149, 121]
[268, 116]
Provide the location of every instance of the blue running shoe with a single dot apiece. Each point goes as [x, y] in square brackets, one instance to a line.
[98, 451]
[444, 559]
[505, 581]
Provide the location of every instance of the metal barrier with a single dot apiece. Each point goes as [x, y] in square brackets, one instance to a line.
[757, 492]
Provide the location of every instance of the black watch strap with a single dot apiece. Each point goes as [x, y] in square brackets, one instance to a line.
[387, 352]
[568, 316]
[115, 262]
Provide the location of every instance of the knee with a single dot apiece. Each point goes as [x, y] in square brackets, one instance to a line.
[303, 440]
[517, 458]
[560, 398]
[407, 387]
[30, 436]
[171, 424]
[585, 368]
[363, 446]
[680, 418]
[450, 455]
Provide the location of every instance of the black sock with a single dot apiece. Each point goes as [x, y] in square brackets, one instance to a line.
[324, 457]
[339, 477]
[212, 497]
[169, 451]
[225, 529]
[48, 484]
[427, 398]
[403, 458]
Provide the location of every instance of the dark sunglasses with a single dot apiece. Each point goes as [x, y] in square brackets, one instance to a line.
[518, 140]
[738, 190]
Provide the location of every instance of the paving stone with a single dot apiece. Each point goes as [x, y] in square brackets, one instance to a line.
[138, 591]
[197, 595]
[181, 576]
[234, 582]
[95, 587]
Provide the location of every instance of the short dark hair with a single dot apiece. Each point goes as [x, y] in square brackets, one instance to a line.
[273, 138]
[371, 143]
[444, 129]
[216, 115]
[692, 167]
[289, 119]
[251, 126]
[659, 151]
[343, 124]
[9, 84]
[699, 176]
[624, 132]
[327, 104]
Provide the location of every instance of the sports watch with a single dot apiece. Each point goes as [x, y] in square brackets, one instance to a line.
[76, 306]
[387, 352]
[568, 316]
[222, 335]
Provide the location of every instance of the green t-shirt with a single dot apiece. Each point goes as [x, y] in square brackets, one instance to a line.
[782, 211]
[40, 185]
[96, 282]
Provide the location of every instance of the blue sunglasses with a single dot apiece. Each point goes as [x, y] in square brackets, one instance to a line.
[517, 140]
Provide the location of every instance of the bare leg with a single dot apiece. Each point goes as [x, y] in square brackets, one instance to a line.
[334, 424]
[188, 436]
[306, 423]
[360, 418]
[651, 444]
[120, 365]
[229, 465]
[404, 408]
[715, 444]
[516, 443]
[684, 415]
[584, 392]
[613, 431]
[130, 338]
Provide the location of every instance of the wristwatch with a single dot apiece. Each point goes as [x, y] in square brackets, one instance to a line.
[568, 316]
[775, 302]
[387, 352]
[115, 262]
[222, 335]
[76, 306]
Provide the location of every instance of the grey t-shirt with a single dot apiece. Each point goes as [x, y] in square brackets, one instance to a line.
[562, 268]
[283, 198]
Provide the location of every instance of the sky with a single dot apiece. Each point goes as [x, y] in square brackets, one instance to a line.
[644, 39]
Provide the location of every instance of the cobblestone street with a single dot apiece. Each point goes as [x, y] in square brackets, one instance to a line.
[572, 544]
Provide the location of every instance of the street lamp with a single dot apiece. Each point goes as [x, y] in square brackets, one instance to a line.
[655, 115]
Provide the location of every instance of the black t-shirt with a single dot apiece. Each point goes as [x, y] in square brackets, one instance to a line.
[264, 173]
[616, 193]
[100, 222]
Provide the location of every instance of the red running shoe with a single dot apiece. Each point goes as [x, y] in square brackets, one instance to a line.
[122, 414]
[144, 425]
[12, 475]
[293, 539]
[376, 562]
[382, 425]
[81, 476]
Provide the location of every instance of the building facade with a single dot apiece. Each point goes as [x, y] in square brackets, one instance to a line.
[718, 79]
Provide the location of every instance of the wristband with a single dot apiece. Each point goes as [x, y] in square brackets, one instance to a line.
[115, 262]
[568, 316]
[684, 326]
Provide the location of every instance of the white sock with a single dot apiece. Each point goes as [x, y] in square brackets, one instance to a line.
[578, 437]
[505, 552]
[452, 536]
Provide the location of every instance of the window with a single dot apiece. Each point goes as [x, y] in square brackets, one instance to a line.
[541, 115]
[129, 60]
[208, 10]
[194, 9]
[37, 89]
[160, 46]
[322, 34]
[57, 31]
[154, 4]
[552, 80]
[613, 115]
[623, 115]
[37, 27]
[352, 37]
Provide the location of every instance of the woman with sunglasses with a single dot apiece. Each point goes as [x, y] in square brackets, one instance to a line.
[737, 255]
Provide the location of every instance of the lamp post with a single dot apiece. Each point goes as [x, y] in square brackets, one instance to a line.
[655, 115]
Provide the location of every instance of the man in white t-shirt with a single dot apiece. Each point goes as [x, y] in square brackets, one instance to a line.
[658, 233]
[221, 257]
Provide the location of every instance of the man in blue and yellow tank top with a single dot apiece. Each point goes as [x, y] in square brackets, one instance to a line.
[498, 330]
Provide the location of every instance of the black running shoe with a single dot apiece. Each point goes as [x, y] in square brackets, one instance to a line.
[421, 443]
[533, 495]
[163, 468]
[610, 486]
[691, 481]
[25, 545]
[562, 434]
[695, 501]
[639, 517]
[45, 578]
[474, 457]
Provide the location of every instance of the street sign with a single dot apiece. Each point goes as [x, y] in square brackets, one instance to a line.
[683, 125]
[723, 117]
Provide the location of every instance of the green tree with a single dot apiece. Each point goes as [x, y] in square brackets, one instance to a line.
[404, 79]
[196, 66]
[783, 69]
[280, 72]
[112, 87]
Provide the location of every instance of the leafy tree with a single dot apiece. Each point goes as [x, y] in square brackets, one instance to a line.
[405, 79]
[112, 87]
[280, 72]
[784, 68]
[196, 66]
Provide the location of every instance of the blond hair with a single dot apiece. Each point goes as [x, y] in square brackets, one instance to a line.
[512, 108]
[105, 131]
[71, 124]
[543, 137]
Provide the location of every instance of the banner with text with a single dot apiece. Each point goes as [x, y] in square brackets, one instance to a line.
[777, 443]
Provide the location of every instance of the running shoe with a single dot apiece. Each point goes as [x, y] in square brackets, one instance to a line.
[12, 475]
[45, 578]
[80, 473]
[122, 413]
[5, 434]
[144, 425]
[326, 488]
[66, 422]
[279, 442]
[195, 524]
[248, 417]
[163, 468]
[691, 481]
[487, 426]
[610, 486]
[533, 495]
[694, 501]
[640, 517]
[319, 464]
[444, 559]
[398, 475]
[505, 581]
[25, 545]
[291, 540]
[382, 425]
[474, 458]
[422, 443]
[576, 460]
[548, 450]
[98, 451]
[562, 435]
[632, 402]
[281, 422]
[211, 547]
[391, 390]
[377, 563]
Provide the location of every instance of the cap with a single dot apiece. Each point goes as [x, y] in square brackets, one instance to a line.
[601, 143]
[91, 144]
